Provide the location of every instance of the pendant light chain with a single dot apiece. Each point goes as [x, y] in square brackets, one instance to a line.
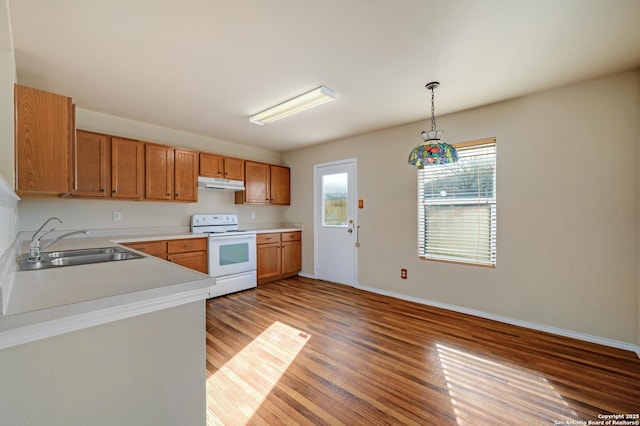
[433, 110]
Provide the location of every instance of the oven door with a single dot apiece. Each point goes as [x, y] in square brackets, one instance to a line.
[231, 254]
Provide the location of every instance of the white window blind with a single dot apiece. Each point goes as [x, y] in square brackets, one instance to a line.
[457, 206]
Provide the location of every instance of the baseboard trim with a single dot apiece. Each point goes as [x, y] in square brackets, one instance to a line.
[507, 320]
[305, 275]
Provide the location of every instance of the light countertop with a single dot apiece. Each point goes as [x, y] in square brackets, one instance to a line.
[43, 303]
[48, 302]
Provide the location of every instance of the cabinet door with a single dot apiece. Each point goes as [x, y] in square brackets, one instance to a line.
[291, 257]
[158, 161]
[233, 168]
[43, 137]
[196, 260]
[127, 169]
[269, 258]
[211, 165]
[256, 182]
[186, 175]
[91, 165]
[280, 185]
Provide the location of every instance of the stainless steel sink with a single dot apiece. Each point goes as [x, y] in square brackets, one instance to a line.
[86, 252]
[62, 258]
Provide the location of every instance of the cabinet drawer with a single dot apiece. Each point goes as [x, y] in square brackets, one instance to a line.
[190, 244]
[291, 236]
[267, 238]
[154, 248]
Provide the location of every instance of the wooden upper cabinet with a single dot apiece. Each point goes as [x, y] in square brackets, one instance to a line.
[256, 183]
[186, 175]
[211, 165]
[91, 165]
[280, 185]
[127, 168]
[170, 174]
[43, 138]
[159, 162]
[233, 168]
[218, 166]
[265, 184]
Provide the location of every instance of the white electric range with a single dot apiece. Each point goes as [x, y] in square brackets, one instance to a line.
[232, 252]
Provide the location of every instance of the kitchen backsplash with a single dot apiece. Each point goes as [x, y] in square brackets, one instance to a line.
[99, 214]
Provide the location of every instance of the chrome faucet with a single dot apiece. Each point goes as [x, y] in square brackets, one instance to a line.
[34, 247]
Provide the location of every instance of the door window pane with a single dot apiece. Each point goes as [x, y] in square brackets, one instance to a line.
[334, 199]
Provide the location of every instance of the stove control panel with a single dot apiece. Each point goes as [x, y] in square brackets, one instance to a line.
[214, 219]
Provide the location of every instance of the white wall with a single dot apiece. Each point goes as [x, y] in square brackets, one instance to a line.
[567, 211]
[98, 214]
[145, 370]
[8, 228]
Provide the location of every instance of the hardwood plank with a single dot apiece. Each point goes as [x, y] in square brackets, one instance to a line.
[302, 351]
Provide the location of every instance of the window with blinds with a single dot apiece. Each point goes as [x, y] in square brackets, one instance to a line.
[457, 207]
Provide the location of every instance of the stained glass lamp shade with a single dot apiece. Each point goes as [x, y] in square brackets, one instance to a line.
[432, 151]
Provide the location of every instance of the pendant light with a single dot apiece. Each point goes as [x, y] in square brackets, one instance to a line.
[432, 151]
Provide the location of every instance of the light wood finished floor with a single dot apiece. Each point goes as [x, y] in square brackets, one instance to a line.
[301, 351]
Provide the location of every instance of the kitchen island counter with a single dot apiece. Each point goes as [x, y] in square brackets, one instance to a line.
[44, 303]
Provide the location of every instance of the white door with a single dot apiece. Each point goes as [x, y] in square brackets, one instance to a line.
[335, 228]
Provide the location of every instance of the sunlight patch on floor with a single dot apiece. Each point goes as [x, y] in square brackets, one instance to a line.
[240, 386]
[486, 392]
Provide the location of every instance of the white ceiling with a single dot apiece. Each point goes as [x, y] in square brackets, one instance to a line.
[203, 66]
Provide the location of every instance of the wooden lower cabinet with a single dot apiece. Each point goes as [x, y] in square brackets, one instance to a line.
[278, 255]
[189, 252]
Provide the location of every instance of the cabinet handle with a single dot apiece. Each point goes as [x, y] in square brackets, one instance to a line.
[142, 249]
[188, 245]
[268, 238]
[177, 194]
[101, 189]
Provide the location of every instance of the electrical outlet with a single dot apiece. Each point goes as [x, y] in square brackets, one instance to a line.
[117, 216]
[403, 274]
[253, 215]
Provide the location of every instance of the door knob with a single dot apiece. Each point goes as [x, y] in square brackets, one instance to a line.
[350, 230]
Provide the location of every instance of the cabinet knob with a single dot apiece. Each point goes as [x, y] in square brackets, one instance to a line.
[101, 189]
[168, 194]
[114, 191]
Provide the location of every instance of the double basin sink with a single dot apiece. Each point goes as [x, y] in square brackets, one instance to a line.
[57, 259]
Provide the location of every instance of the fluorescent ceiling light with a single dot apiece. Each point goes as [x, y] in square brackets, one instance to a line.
[293, 106]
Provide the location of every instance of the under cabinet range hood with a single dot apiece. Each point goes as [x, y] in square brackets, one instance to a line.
[220, 184]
